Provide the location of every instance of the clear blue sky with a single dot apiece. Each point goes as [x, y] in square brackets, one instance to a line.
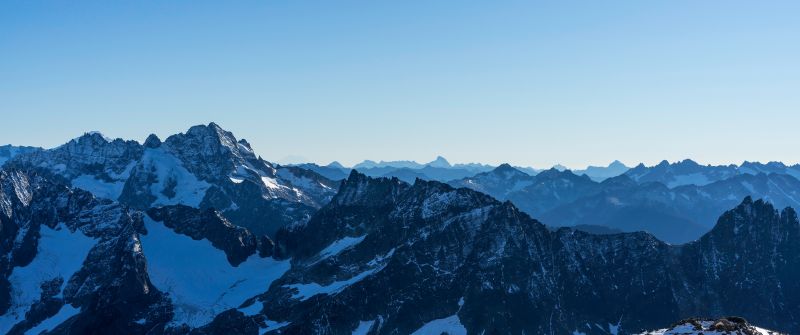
[526, 82]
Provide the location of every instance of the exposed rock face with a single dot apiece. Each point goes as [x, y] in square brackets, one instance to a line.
[403, 258]
[70, 257]
[383, 257]
[207, 167]
[76, 264]
[727, 325]
[237, 242]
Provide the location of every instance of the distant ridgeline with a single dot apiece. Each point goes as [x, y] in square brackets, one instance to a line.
[197, 234]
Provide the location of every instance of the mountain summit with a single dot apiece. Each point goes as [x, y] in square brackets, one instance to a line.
[206, 167]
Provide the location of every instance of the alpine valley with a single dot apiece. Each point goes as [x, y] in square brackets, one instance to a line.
[197, 234]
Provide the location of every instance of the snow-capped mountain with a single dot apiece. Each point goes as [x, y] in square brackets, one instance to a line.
[8, 152]
[76, 264]
[723, 326]
[688, 172]
[207, 167]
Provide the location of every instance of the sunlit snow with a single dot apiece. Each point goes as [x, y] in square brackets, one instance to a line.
[363, 327]
[450, 325]
[169, 170]
[340, 245]
[198, 277]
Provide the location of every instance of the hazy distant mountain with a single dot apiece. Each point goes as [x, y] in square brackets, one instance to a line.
[369, 164]
[498, 183]
[385, 256]
[332, 171]
[439, 169]
[688, 172]
[675, 215]
[8, 152]
[600, 173]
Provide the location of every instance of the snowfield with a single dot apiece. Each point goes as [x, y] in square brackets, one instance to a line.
[198, 277]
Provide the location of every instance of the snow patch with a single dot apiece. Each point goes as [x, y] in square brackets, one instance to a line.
[340, 245]
[99, 188]
[198, 277]
[272, 325]
[363, 327]
[271, 183]
[253, 309]
[173, 178]
[60, 254]
[305, 291]
[450, 325]
[66, 312]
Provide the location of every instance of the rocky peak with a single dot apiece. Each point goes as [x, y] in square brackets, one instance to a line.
[507, 171]
[90, 153]
[752, 225]
[360, 189]
[617, 164]
[622, 180]
[554, 174]
[152, 142]
[336, 164]
[211, 139]
[212, 153]
[439, 162]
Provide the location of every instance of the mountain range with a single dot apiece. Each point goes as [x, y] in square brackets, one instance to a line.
[196, 234]
[677, 215]
[382, 257]
[207, 167]
[441, 170]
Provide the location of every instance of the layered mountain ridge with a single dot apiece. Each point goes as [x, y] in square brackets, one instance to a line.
[384, 257]
[488, 267]
[196, 234]
[676, 215]
[207, 167]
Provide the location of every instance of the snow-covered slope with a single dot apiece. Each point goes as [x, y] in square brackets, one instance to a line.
[431, 258]
[688, 172]
[382, 257]
[198, 277]
[206, 167]
[76, 264]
